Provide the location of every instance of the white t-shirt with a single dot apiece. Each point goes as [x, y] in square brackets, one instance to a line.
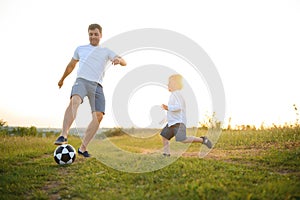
[92, 62]
[176, 109]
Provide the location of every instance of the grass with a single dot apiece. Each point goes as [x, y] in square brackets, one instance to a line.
[260, 164]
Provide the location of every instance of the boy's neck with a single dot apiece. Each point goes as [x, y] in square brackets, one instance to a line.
[175, 90]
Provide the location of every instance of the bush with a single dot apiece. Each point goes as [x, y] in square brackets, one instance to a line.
[23, 131]
[3, 131]
[114, 132]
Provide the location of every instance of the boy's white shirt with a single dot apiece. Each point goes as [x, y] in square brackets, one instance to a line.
[176, 109]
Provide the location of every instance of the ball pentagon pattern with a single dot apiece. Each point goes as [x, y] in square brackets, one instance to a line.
[64, 154]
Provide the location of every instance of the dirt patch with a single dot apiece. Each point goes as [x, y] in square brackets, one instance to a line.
[239, 156]
[245, 151]
[217, 154]
[50, 187]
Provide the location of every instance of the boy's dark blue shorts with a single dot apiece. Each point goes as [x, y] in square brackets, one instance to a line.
[178, 130]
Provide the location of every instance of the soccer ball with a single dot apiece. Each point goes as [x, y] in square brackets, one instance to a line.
[64, 154]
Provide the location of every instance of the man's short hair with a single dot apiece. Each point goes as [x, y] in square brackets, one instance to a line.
[94, 26]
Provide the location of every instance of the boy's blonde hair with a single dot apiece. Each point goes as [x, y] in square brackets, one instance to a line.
[178, 80]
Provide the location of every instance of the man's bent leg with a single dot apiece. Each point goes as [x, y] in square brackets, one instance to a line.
[69, 117]
[91, 130]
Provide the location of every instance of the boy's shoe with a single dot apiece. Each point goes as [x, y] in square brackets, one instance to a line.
[166, 154]
[85, 154]
[206, 142]
[61, 140]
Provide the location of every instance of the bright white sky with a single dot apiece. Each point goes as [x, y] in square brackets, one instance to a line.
[255, 46]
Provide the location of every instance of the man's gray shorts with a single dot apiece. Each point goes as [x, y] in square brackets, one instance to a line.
[178, 130]
[93, 91]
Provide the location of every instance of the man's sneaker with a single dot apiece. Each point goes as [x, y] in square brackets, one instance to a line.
[61, 140]
[166, 154]
[85, 154]
[206, 142]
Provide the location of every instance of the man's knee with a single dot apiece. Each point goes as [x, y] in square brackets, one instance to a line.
[75, 101]
[99, 116]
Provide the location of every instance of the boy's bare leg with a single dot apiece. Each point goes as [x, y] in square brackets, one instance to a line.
[204, 140]
[166, 146]
[192, 139]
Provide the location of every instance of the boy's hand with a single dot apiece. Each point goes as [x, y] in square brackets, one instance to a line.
[165, 107]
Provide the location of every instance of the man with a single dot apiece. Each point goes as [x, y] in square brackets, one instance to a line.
[92, 61]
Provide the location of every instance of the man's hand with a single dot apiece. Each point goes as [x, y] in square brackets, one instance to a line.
[60, 83]
[116, 61]
[119, 61]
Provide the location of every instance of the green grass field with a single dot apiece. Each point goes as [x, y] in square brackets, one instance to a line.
[250, 164]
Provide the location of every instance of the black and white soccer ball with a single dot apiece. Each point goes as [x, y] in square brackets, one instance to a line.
[64, 154]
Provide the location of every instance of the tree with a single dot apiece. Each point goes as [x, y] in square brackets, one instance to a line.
[2, 123]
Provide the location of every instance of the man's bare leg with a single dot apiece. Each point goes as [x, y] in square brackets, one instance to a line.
[91, 130]
[70, 114]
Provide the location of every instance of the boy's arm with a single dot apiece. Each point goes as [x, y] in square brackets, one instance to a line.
[175, 104]
[173, 107]
[165, 107]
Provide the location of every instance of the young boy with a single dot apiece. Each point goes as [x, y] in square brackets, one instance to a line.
[176, 117]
